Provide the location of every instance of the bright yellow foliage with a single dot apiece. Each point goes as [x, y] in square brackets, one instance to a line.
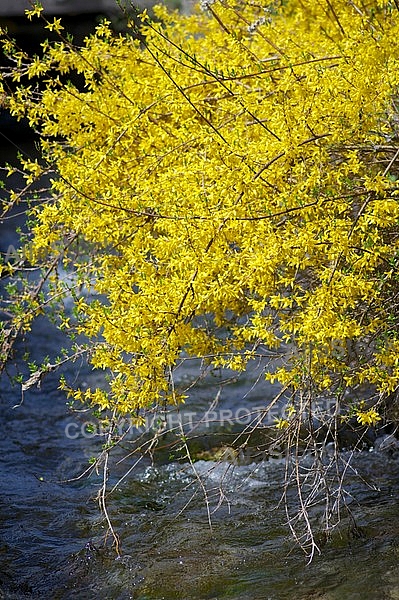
[36, 11]
[229, 184]
[369, 417]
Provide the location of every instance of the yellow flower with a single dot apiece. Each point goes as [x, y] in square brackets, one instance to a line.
[367, 418]
[164, 169]
[55, 26]
[282, 423]
[36, 11]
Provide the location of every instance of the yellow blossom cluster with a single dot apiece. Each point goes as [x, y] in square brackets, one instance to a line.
[229, 181]
[369, 417]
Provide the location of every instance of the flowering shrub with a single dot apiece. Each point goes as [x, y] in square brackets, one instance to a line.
[226, 184]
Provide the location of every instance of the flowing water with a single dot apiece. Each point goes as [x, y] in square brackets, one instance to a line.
[225, 538]
[51, 532]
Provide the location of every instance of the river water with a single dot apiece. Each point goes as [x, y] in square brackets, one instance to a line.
[51, 531]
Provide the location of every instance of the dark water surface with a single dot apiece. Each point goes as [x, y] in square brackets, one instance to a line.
[51, 532]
